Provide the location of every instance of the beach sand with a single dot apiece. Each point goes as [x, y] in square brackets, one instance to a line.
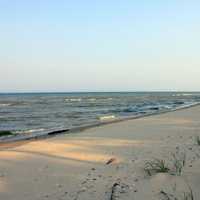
[73, 166]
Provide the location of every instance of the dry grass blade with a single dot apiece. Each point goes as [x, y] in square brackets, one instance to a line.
[197, 140]
[156, 166]
[179, 160]
[185, 196]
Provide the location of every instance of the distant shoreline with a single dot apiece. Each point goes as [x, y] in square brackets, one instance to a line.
[93, 92]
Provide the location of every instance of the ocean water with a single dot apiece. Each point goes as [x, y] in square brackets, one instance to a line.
[47, 112]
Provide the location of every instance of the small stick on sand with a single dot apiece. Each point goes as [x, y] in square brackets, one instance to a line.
[111, 161]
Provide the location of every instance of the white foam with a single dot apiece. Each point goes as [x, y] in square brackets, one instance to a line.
[30, 131]
[92, 99]
[74, 99]
[108, 117]
[4, 104]
[184, 94]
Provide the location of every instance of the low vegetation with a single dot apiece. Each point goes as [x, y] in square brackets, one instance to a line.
[156, 166]
[179, 160]
[5, 133]
[160, 165]
[183, 196]
[197, 140]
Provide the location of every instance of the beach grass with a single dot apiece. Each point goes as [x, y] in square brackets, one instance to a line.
[156, 166]
[159, 165]
[183, 196]
[197, 140]
[179, 160]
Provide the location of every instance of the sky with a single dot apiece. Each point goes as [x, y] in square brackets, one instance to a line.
[104, 45]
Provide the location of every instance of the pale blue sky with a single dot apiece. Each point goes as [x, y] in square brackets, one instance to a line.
[104, 45]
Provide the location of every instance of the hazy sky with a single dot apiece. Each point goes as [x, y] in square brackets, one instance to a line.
[104, 45]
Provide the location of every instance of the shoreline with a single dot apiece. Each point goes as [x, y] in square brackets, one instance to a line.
[106, 162]
[24, 137]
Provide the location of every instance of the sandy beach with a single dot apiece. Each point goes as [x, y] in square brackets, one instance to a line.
[106, 162]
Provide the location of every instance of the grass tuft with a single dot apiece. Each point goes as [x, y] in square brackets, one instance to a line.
[184, 196]
[177, 164]
[179, 160]
[197, 140]
[156, 166]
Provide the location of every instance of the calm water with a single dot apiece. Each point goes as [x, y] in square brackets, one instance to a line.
[36, 113]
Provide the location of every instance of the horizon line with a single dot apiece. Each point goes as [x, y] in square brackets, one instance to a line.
[63, 92]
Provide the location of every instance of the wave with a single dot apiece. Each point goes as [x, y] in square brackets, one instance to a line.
[187, 105]
[5, 104]
[184, 94]
[92, 99]
[179, 102]
[154, 108]
[74, 100]
[107, 117]
[127, 110]
[135, 109]
[147, 108]
[30, 131]
[14, 103]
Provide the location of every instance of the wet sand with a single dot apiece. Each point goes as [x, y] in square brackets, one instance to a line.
[73, 166]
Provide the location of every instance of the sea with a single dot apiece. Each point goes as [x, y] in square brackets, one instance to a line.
[42, 113]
